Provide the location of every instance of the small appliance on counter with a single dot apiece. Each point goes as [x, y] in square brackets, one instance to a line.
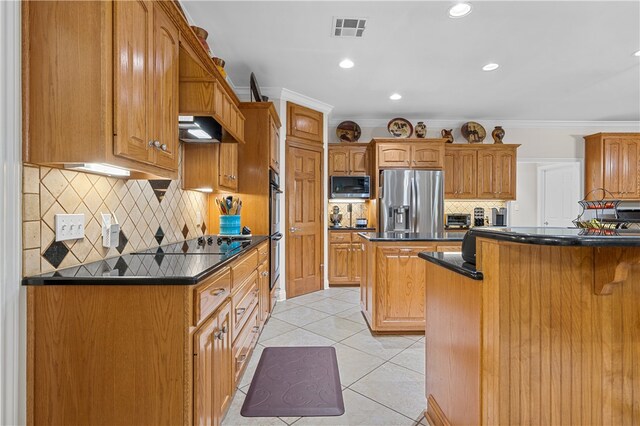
[336, 217]
[362, 222]
[457, 221]
[499, 216]
[478, 216]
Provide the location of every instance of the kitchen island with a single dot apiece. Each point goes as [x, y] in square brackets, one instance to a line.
[543, 329]
[156, 337]
[392, 282]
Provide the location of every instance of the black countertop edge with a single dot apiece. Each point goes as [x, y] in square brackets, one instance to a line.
[398, 237]
[40, 280]
[570, 237]
[453, 262]
[351, 228]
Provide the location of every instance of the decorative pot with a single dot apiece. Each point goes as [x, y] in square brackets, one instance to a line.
[421, 130]
[497, 134]
[448, 135]
[202, 35]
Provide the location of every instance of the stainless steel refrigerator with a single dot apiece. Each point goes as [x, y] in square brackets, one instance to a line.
[411, 201]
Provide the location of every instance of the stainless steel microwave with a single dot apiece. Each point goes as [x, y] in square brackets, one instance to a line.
[350, 187]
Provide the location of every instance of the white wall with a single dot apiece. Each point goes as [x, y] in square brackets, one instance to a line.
[542, 143]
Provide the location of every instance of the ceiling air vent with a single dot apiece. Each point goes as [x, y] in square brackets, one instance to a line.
[348, 27]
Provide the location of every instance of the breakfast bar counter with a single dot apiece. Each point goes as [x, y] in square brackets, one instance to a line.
[550, 334]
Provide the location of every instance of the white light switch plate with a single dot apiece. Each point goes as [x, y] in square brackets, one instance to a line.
[69, 226]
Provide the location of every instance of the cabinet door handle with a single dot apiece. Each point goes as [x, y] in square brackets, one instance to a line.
[265, 274]
[218, 291]
[218, 335]
[156, 144]
[163, 147]
[256, 329]
[224, 330]
[240, 311]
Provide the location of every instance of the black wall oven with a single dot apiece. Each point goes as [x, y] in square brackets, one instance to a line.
[274, 220]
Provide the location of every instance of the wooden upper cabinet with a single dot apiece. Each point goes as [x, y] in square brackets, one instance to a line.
[460, 171]
[228, 167]
[359, 161]
[394, 155]
[497, 174]
[305, 123]
[133, 80]
[427, 156]
[612, 162]
[166, 79]
[274, 145]
[339, 161]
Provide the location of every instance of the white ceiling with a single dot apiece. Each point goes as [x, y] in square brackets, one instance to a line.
[559, 60]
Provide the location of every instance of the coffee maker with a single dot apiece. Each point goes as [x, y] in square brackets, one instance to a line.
[499, 216]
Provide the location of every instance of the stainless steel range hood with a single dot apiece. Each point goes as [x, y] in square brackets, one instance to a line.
[199, 129]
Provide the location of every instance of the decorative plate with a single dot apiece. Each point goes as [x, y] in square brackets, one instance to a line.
[348, 131]
[400, 128]
[473, 132]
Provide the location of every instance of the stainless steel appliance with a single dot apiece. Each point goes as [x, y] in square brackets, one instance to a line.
[499, 216]
[274, 232]
[350, 187]
[411, 201]
[458, 221]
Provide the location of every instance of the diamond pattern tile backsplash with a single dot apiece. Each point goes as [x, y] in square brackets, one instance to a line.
[358, 210]
[150, 213]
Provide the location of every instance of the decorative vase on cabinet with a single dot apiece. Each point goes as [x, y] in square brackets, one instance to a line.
[421, 130]
[497, 135]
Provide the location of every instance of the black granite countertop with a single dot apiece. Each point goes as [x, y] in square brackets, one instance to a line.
[561, 236]
[402, 236]
[453, 262]
[160, 266]
[351, 228]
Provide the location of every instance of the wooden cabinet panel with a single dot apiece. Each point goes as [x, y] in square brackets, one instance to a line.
[497, 174]
[339, 237]
[245, 343]
[460, 173]
[165, 87]
[487, 164]
[394, 155]
[208, 295]
[356, 262]
[450, 175]
[359, 161]
[506, 175]
[228, 167]
[274, 145]
[265, 298]
[428, 156]
[401, 280]
[212, 368]
[621, 171]
[305, 123]
[133, 80]
[244, 302]
[340, 263]
[339, 161]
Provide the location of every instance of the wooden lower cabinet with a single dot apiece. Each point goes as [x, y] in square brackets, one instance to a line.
[392, 285]
[97, 355]
[213, 374]
[345, 258]
[264, 279]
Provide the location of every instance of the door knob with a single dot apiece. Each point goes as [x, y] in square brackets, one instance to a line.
[163, 147]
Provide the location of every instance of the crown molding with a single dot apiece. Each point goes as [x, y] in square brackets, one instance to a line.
[299, 98]
[488, 123]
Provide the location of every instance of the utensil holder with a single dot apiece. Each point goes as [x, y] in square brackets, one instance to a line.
[230, 225]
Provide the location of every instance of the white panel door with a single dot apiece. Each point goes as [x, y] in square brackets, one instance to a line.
[559, 195]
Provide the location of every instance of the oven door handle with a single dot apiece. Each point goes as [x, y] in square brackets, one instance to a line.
[276, 237]
[276, 189]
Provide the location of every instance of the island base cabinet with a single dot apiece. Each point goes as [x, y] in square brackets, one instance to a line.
[551, 335]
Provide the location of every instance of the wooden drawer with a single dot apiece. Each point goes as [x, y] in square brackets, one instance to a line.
[247, 339]
[210, 294]
[243, 303]
[242, 268]
[263, 252]
[339, 237]
[450, 247]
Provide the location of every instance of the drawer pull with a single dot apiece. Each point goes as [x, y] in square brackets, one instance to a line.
[218, 335]
[265, 274]
[240, 311]
[224, 329]
[242, 357]
[255, 329]
[217, 291]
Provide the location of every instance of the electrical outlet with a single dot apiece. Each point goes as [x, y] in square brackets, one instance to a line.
[69, 226]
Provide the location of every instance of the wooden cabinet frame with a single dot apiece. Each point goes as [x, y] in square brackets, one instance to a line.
[612, 161]
[349, 160]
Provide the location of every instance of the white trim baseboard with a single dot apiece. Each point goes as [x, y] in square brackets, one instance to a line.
[489, 123]
[12, 295]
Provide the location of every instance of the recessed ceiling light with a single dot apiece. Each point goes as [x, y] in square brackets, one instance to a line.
[490, 67]
[637, 53]
[395, 97]
[459, 10]
[346, 63]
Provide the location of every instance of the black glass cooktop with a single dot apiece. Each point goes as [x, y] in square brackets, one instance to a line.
[209, 244]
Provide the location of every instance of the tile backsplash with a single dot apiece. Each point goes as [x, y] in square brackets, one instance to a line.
[150, 212]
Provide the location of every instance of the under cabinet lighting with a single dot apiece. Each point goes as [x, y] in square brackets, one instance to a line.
[347, 200]
[99, 168]
[490, 67]
[395, 97]
[459, 10]
[199, 133]
[346, 63]
[207, 190]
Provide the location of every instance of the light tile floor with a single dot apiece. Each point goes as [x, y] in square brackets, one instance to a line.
[382, 376]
